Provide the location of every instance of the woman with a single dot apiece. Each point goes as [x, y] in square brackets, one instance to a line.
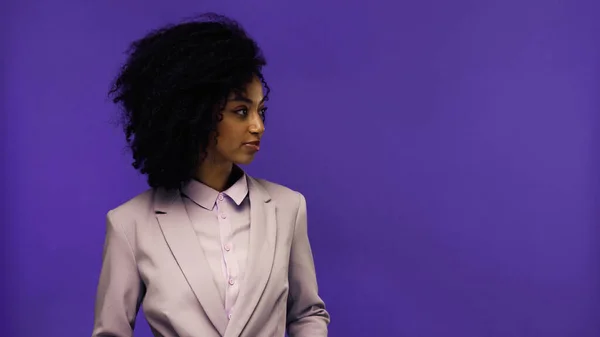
[207, 250]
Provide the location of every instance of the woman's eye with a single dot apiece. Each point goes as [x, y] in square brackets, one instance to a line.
[262, 113]
[242, 112]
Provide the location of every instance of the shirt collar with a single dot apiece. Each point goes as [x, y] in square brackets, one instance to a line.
[206, 196]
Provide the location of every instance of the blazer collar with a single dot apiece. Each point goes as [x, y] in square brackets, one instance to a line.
[183, 243]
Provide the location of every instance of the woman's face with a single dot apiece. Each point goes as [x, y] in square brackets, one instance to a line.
[242, 126]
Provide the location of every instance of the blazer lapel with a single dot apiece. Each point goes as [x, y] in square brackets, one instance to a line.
[263, 232]
[180, 236]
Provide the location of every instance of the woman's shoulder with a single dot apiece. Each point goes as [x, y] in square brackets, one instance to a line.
[138, 206]
[280, 193]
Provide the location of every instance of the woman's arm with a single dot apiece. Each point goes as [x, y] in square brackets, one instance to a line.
[307, 316]
[120, 289]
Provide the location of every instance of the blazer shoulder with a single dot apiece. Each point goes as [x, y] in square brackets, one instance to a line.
[280, 193]
[134, 209]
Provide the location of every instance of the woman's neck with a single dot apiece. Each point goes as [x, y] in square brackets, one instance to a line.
[214, 175]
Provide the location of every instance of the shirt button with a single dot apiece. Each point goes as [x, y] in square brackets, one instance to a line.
[227, 247]
[229, 316]
[220, 197]
[224, 216]
[231, 282]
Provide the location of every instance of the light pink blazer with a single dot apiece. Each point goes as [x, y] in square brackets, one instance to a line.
[152, 258]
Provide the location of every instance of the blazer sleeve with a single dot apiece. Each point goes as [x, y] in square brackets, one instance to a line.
[306, 313]
[120, 288]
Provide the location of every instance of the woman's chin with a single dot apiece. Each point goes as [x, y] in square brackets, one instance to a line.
[246, 160]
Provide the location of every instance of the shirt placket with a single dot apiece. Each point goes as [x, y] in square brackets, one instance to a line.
[230, 266]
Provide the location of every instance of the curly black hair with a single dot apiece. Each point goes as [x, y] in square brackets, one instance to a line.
[172, 90]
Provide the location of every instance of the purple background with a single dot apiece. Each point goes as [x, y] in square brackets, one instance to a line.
[449, 152]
